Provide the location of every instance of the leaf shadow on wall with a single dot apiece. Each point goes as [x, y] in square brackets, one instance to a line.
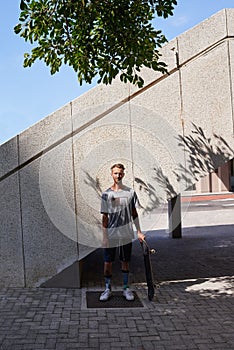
[202, 155]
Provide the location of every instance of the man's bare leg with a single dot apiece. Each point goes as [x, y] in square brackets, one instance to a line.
[125, 273]
[108, 274]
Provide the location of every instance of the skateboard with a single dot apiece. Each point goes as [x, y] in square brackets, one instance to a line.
[148, 268]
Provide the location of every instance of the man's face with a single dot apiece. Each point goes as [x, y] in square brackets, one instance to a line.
[117, 175]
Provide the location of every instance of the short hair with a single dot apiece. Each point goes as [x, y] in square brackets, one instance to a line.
[118, 165]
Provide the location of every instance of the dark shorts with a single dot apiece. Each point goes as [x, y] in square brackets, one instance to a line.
[125, 252]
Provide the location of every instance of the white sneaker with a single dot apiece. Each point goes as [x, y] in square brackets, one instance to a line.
[128, 294]
[105, 295]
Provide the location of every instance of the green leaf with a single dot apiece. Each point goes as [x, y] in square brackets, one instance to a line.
[23, 5]
[17, 28]
[95, 38]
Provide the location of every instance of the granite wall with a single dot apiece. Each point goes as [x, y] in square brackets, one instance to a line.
[168, 134]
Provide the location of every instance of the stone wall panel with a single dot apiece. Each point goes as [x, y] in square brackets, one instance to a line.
[48, 214]
[11, 245]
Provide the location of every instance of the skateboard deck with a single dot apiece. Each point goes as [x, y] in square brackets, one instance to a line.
[148, 268]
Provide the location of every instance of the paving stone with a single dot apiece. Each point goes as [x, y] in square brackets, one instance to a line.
[181, 318]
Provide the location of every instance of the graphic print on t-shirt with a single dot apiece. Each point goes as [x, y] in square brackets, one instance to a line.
[119, 205]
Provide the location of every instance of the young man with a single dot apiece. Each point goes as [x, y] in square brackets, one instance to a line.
[118, 209]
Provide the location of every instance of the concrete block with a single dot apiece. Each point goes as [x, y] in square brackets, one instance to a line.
[230, 21]
[159, 123]
[156, 154]
[207, 94]
[11, 252]
[95, 150]
[45, 133]
[8, 156]
[98, 102]
[163, 100]
[202, 36]
[143, 131]
[207, 105]
[48, 214]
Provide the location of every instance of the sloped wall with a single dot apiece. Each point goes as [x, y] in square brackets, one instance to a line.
[168, 134]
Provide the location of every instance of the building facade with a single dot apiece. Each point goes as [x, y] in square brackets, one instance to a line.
[221, 180]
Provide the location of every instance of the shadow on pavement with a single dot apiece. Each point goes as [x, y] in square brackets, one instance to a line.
[203, 252]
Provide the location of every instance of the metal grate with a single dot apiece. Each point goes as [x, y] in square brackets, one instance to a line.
[117, 300]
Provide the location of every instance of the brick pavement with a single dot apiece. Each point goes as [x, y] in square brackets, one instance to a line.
[53, 319]
[193, 308]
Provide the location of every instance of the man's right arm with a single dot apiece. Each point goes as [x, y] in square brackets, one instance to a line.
[105, 242]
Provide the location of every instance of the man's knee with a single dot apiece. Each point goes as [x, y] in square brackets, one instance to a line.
[125, 265]
[108, 268]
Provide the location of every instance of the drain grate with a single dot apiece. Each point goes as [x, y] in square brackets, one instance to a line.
[116, 301]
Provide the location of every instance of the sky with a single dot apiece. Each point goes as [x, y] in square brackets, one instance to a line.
[27, 95]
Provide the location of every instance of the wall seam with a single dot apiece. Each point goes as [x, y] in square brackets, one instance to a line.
[182, 121]
[131, 139]
[74, 183]
[230, 73]
[21, 215]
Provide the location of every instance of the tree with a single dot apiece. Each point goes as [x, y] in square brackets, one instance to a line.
[95, 37]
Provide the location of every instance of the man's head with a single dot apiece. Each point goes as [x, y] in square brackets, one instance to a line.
[118, 165]
[117, 172]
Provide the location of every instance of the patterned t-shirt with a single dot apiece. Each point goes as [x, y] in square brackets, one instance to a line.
[119, 205]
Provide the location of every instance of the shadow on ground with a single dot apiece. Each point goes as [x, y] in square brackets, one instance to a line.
[203, 252]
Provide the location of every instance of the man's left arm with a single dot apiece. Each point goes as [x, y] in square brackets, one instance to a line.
[135, 217]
